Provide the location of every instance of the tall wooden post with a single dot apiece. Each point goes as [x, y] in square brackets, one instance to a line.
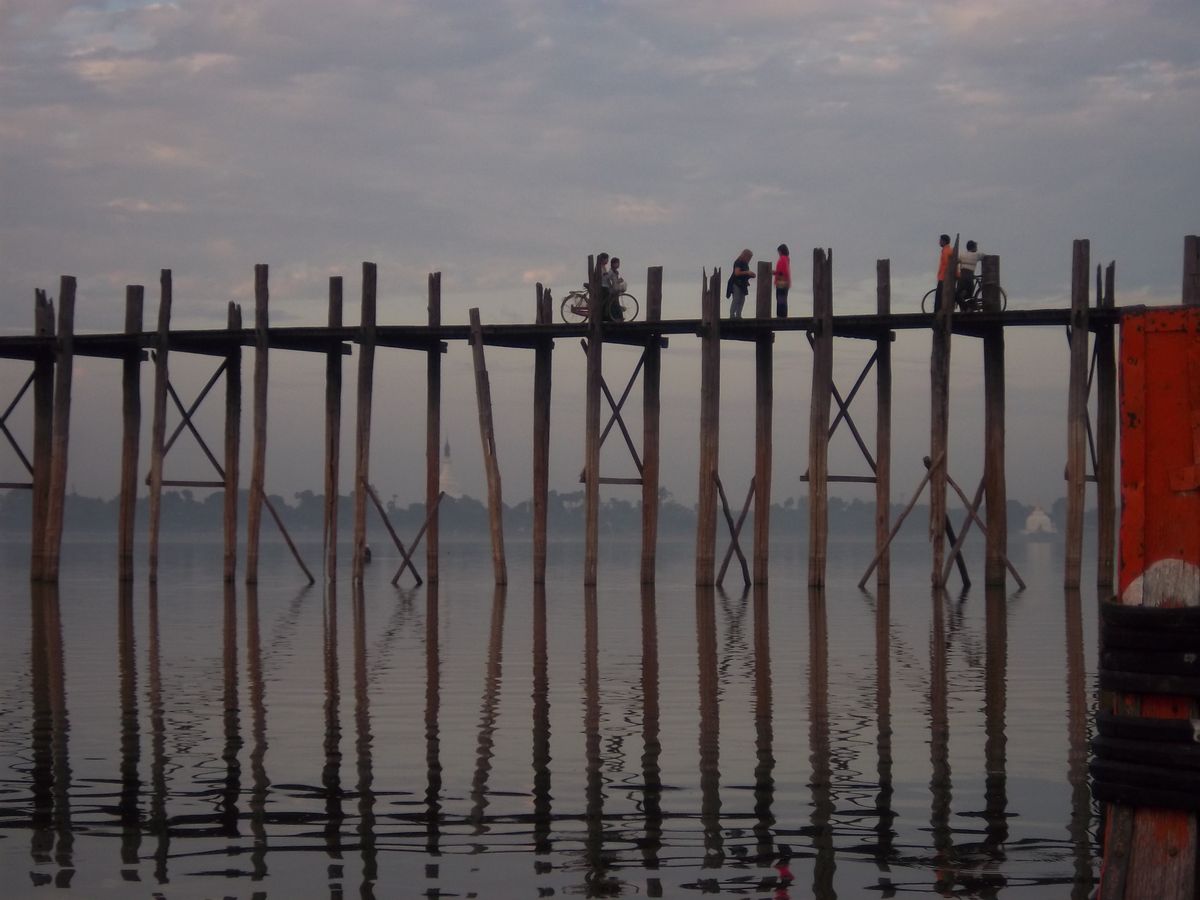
[433, 431]
[333, 431]
[994, 483]
[1191, 270]
[258, 454]
[883, 422]
[1077, 392]
[1106, 437]
[591, 452]
[362, 443]
[487, 434]
[818, 420]
[233, 442]
[764, 399]
[651, 420]
[60, 440]
[158, 424]
[939, 430]
[542, 362]
[131, 428]
[43, 432]
[710, 424]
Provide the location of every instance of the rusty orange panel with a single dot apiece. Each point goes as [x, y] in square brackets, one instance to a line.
[1160, 442]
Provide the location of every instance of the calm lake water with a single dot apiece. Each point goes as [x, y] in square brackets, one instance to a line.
[290, 741]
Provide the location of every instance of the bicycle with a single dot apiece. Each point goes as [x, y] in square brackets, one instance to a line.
[575, 307]
[974, 303]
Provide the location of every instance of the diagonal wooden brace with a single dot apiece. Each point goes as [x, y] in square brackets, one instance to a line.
[735, 530]
[406, 559]
[8, 434]
[387, 523]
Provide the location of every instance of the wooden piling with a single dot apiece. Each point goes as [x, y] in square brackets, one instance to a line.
[158, 424]
[542, 361]
[487, 435]
[333, 432]
[651, 423]
[43, 432]
[995, 486]
[710, 422]
[939, 429]
[1191, 270]
[433, 430]
[131, 428]
[362, 442]
[591, 443]
[1077, 395]
[258, 453]
[1106, 439]
[233, 442]
[818, 421]
[883, 422]
[60, 439]
[764, 399]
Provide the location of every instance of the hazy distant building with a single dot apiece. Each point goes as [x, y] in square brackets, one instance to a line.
[447, 483]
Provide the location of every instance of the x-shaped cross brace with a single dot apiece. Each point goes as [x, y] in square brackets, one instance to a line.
[844, 410]
[615, 415]
[9, 435]
[735, 530]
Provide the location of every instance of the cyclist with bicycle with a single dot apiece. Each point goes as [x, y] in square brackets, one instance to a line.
[613, 286]
[967, 259]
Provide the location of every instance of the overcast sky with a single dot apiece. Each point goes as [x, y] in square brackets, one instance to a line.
[502, 142]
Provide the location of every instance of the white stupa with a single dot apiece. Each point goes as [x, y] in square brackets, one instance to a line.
[447, 483]
[1039, 526]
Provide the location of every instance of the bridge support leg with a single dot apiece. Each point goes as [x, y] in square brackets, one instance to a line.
[1077, 413]
[651, 418]
[43, 430]
[764, 400]
[542, 382]
[883, 423]
[433, 432]
[710, 423]
[258, 456]
[1106, 440]
[995, 485]
[362, 449]
[233, 442]
[158, 425]
[131, 426]
[60, 439]
[333, 432]
[818, 423]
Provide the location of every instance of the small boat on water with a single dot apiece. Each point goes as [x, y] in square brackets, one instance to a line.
[1039, 526]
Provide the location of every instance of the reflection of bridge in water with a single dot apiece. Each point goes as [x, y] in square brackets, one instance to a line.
[351, 815]
[54, 345]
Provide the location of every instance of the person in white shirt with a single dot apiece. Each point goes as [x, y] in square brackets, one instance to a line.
[967, 260]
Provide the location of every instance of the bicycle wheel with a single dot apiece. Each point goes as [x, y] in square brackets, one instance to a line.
[1003, 300]
[927, 303]
[629, 307]
[574, 308]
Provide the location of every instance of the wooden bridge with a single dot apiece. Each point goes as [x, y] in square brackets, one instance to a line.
[1090, 325]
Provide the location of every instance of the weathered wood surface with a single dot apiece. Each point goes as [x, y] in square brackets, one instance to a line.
[710, 423]
[818, 420]
[64, 368]
[651, 425]
[433, 431]
[883, 422]
[158, 426]
[43, 431]
[333, 434]
[131, 429]
[764, 400]
[258, 450]
[233, 438]
[542, 385]
[362, 439]
[995, 485]
[1106, 439]
[939, 420]
[1077, 392]
[591, 439]
[487, 435]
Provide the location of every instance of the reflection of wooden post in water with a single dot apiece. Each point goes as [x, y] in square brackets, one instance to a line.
[818, 419]
[764, 729]
[233, 439]
[488, 711]
[1077, 393]
[364, 786]
[259, 783]
[651, 419]
[542, 800]
[60, 439]
[157, 822]
[128, 808]
[331, 772]
[158, 424]
[651, 744]
[818, 744]
[362, 443]
[883, 422]
[710, 728]
[593, 759]
[995, 701]
[333, 435]
[1079, 825]
[231, 791]
[433, 431]
[885, 834]
[43, 431]
[433, 705]
[131, 427]
[939, 744]
[542, 366]
[53, 830]
[710, 424]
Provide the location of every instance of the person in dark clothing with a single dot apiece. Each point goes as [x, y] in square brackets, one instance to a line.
[738, 285]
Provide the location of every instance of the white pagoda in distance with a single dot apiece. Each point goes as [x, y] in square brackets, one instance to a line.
[447, 483]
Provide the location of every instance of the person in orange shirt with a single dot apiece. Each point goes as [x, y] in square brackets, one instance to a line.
[943, 265]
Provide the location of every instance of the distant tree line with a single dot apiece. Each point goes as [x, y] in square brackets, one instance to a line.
[185, 513]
